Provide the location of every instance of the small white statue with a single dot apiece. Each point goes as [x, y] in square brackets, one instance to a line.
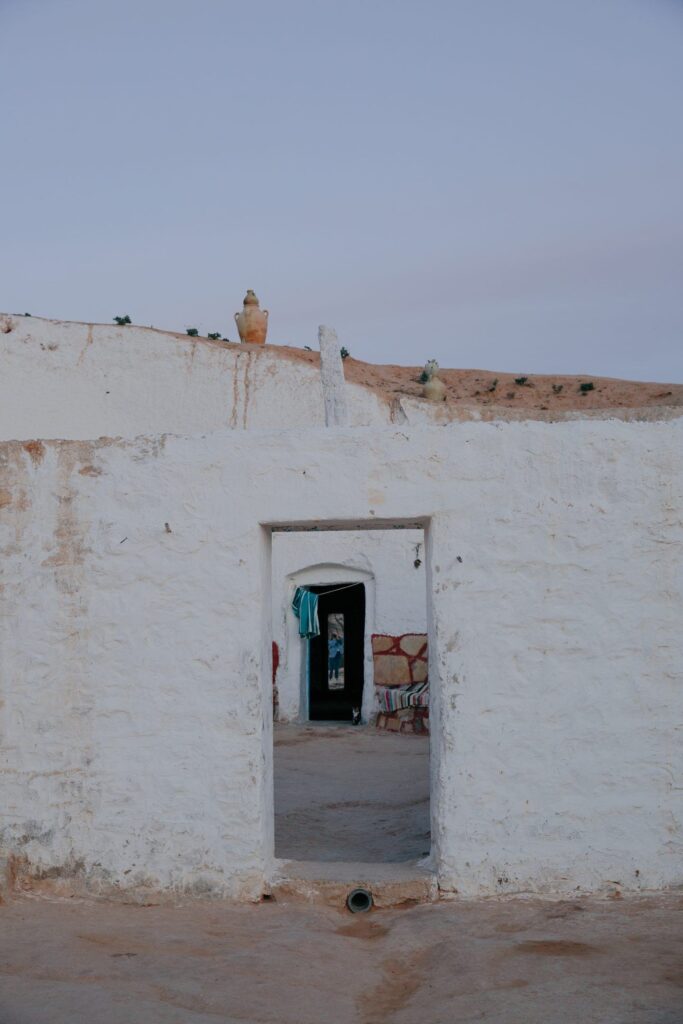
[434, 389]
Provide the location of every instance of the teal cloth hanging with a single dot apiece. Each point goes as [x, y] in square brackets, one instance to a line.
[305, 607]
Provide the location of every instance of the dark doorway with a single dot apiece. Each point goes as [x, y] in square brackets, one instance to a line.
[336, 656]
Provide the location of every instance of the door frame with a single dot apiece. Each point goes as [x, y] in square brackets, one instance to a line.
[272, 867]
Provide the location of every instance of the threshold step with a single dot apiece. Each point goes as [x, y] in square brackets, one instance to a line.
[330, 882]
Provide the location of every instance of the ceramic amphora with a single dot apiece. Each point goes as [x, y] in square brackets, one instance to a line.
[252, 322]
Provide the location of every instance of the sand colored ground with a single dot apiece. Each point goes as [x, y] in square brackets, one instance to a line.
[345, 793]
[487, 388]
[502, 962]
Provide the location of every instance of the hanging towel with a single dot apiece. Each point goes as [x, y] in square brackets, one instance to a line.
[305, 607]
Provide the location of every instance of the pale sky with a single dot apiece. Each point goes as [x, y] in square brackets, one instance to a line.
[492, 183]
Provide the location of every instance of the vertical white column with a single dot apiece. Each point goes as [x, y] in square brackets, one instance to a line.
[332, 377]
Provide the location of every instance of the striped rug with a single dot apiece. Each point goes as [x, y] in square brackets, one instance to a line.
[393, 698]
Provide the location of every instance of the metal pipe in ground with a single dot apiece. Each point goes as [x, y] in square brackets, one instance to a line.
[359, 901]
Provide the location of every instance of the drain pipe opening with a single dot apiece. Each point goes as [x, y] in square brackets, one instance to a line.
[359, 901]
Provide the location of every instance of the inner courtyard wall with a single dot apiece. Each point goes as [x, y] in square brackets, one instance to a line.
[135, 678]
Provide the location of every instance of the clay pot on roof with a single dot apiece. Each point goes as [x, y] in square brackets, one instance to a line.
[252, 322]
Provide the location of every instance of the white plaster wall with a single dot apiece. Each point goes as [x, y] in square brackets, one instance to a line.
[396, 600]
[130, 663]
[136, 686]
[78, 381]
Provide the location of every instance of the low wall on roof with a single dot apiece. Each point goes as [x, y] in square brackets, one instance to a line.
[78, 381]
[135, 639]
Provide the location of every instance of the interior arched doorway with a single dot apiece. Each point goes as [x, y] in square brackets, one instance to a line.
[299, 691]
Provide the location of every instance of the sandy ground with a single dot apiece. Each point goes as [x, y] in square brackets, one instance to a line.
[350, 794]
[511, 962]
[483, 388]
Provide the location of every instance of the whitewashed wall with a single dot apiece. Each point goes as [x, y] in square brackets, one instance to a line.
[396, 599]
[77, 381]
[135, 679]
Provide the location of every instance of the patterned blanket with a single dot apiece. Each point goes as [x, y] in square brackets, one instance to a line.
[393, 698]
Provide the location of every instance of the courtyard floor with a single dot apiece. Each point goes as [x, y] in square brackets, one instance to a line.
[345, 793]
[503, 962]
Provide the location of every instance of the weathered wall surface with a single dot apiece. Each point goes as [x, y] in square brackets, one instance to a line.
[135, 683]
[130, 728]
[396, 598]
[126, 381]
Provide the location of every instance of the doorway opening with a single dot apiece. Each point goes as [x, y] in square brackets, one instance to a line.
[351, 735]
[336, 655]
